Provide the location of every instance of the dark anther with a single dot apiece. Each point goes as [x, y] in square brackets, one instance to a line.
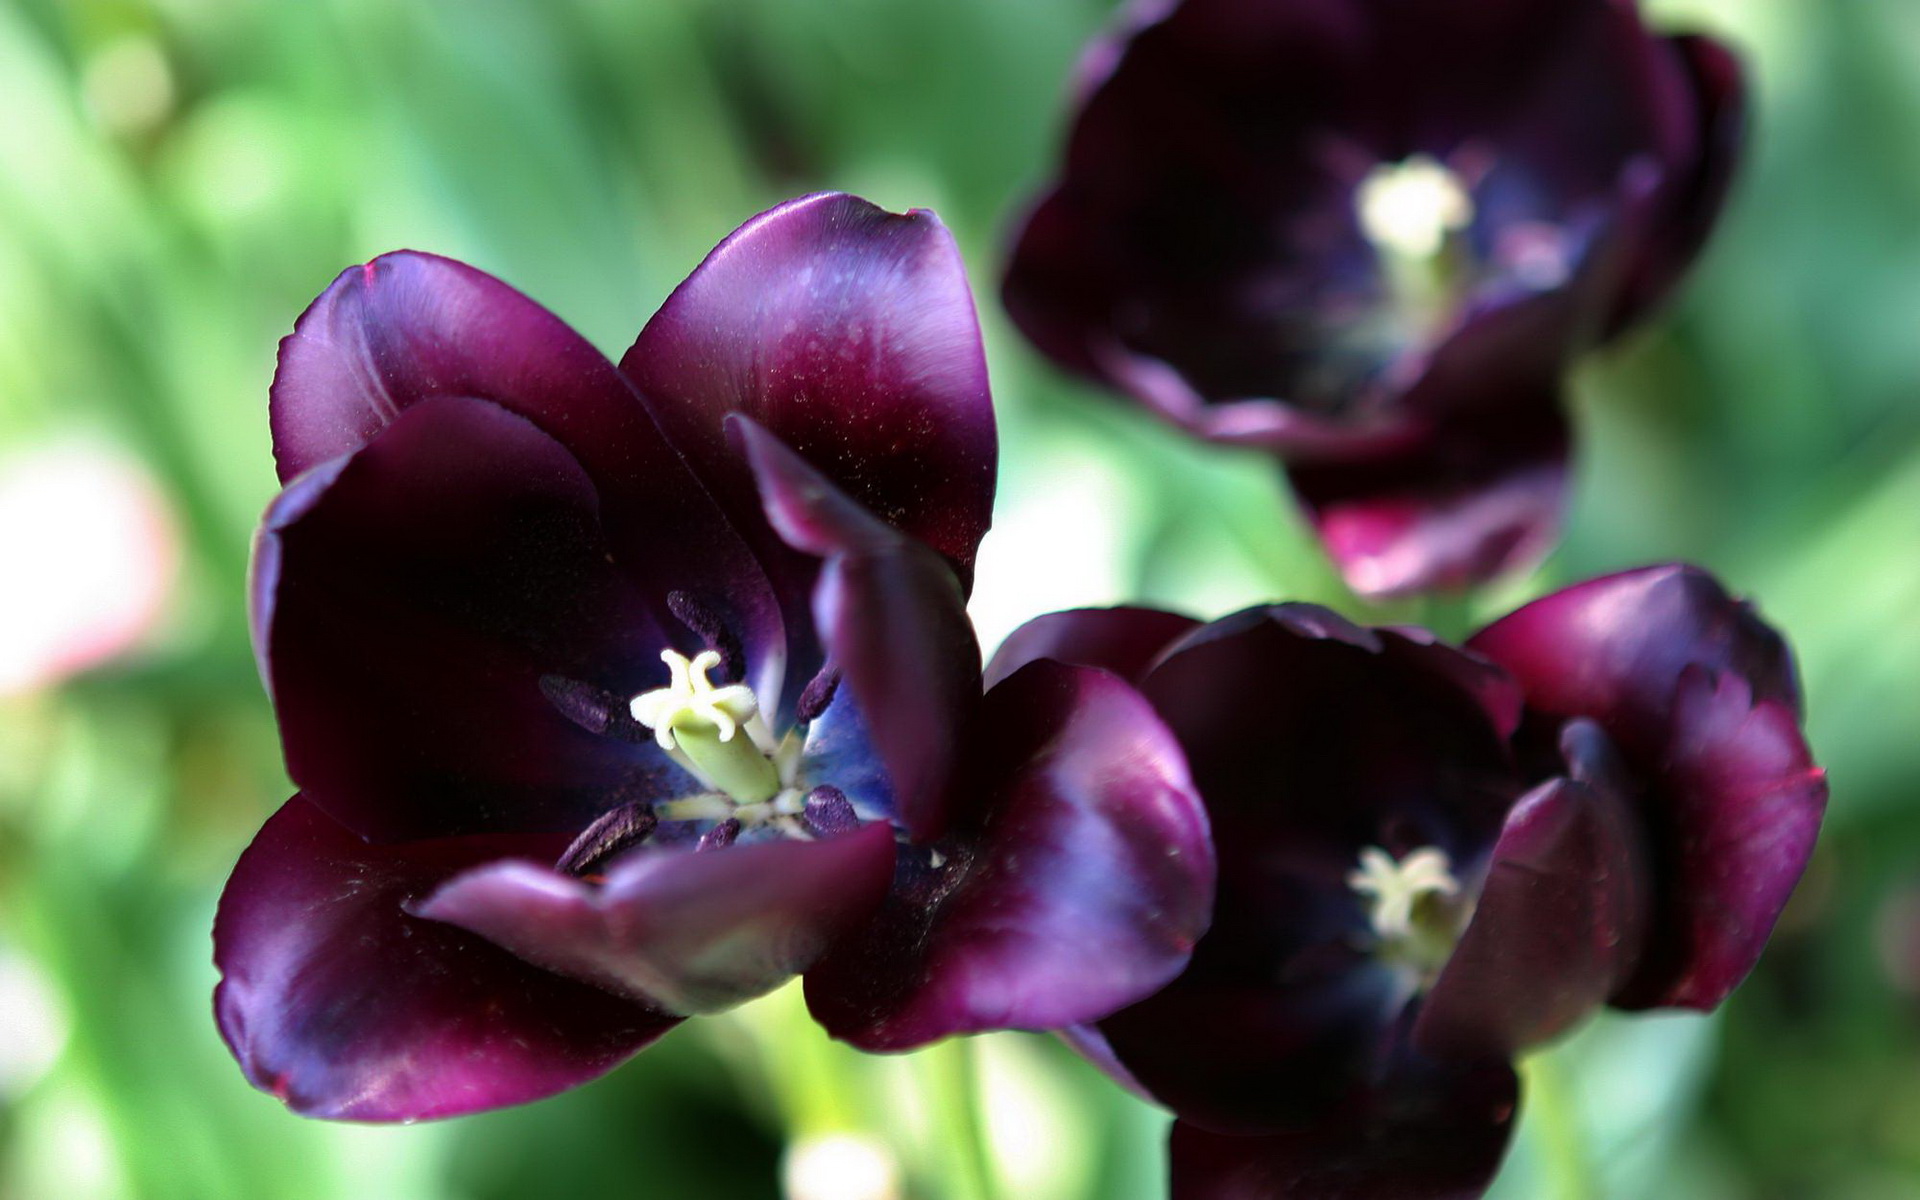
[621, 829]
[706, 624]
[582, 703]
[829, 812]
[593, 709]
[818, 693]
[720, 836]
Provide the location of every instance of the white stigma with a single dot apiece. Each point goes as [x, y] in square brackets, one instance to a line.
[1409, 208]
[1394, 888]
[690, 698]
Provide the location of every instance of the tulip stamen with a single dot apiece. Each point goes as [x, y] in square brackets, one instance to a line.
[614, 833]
[1406, 904]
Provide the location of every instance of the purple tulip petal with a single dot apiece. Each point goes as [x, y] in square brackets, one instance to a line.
[1718, 105]
[1613, 649]
[1559, 922]
[1083, 889]
[409, 610]
[1488, 683]
[342, 1005]
[1700, 696]
[1122, 640]
[849, 333]
[893, 620]
[1742, 807]
[689, 932]
[1436, 1133]
[1484, 501]
[1258, 1035]
[1296, 720]
[410, 327]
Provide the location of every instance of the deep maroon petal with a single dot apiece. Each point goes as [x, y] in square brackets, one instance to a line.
[893, 620]
[342, 1005]
[848, 332]
[1122, 640]
[1250, 1039]
[1717, 103]
[1700, 696]
[1497, 693]
[1437, 1133]
[1482, 501]
[408, 328]
[1559, 922]
[1084, 889]
[1614, 648]
[411, 600]
[1302, 727]
[689, 932]
[1740, 808]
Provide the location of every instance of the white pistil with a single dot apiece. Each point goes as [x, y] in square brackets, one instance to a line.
[698, 723]
[1395, 888]
[1409, 208]
[690, 700]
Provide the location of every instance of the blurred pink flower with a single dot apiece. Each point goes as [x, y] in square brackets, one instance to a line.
[91, 554]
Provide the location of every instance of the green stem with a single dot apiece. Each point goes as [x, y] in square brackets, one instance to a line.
[1448, 614]
[1556, 1121]
[815, 1081]
[953, 1076]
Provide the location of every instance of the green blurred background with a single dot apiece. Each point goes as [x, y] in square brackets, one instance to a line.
[178, 178]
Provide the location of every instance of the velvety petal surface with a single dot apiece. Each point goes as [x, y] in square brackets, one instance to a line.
[1559, 921]
[1435, 1133]
[410, 327]
[1741, 808]
[849, 332]
[1700, 179]
[1700, 696]
[1122, 640]
[1613, 648]
[1083, 888]
[893, 620]
[338, 1002]
[1481, 500]
[409, 603]
[1301, 726]
[690, 932]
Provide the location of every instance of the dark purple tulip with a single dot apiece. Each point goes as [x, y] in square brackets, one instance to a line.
[617, 695]
[1433, 859]
[1369, 236]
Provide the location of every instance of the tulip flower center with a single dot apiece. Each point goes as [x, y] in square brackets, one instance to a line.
[1412, 211]
[715, 732]
[1412, 904]
[748, 782]
[1409, 208]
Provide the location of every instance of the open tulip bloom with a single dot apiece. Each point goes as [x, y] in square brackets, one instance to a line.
[1432, 859]
[1369, 236]
[620, 694]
